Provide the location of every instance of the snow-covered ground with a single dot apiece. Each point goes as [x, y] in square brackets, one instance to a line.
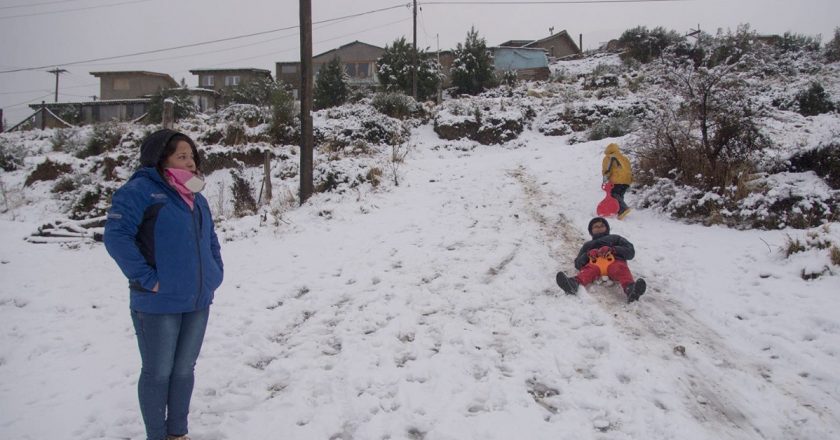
[429, 311]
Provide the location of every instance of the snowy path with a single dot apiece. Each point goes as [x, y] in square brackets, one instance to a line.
[430, 312]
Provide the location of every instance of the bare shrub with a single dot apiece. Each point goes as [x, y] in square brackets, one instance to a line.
[704, 128]
[243, 195]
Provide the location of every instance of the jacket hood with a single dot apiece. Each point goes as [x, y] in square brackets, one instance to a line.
[612, 149]
[598, 219]
[152, 148]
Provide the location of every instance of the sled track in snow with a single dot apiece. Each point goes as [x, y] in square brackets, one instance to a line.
[663, 324]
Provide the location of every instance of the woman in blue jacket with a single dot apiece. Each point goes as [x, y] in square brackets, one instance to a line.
[160, 232]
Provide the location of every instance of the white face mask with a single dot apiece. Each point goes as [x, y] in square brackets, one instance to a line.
[195, 184]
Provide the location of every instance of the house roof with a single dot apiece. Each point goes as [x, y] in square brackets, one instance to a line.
[90, 103]
[561, 34]
[357, 42]
[164, 76]
[515, 43]
[231, 70]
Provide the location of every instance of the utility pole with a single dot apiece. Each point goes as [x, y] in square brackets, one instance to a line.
[306, 138]
[414, 57]
[57, 72]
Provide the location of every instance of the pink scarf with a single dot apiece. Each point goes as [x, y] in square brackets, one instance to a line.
[177, 178]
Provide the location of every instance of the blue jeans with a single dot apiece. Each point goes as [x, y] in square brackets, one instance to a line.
[618, 191]
[169, 346]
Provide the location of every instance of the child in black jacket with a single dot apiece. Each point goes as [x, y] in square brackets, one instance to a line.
[606, 254]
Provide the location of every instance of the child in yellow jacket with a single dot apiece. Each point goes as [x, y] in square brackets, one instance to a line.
[616, 169]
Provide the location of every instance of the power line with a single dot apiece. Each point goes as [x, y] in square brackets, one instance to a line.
[37, 4]
[274, 52]
[6, 17]
[28, 101]
[269, 40]
[203, 43]
[579, 2]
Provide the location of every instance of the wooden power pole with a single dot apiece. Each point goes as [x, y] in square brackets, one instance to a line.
[306, 138]
[57, 72]
[414, 57]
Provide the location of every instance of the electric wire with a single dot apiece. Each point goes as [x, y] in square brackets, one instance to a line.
[203, 43]
[33, 14]
[37, 4]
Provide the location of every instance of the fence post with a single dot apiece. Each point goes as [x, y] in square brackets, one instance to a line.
[267, 180]
[1, 120]
[168, 113]
[43, 115]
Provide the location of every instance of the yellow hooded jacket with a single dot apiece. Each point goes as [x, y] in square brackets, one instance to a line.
[616, 166]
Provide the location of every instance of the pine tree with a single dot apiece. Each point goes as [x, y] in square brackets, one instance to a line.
[472, 69]
[331, 87]
[832, 48]
[394, 70]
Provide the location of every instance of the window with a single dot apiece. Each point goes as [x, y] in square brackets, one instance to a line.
[362, 70]
[350, 68]
[288, 68]
[232, 80]
[207, 80]
[122, 84]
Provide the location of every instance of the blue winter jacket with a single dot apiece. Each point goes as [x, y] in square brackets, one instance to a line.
[155, 238]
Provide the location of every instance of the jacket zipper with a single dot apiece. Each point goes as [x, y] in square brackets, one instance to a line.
[197, 211]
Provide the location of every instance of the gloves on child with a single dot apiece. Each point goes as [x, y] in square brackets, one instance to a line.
[603, 251]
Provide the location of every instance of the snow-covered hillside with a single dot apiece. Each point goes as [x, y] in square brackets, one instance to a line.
[416, 299]
[429, 311]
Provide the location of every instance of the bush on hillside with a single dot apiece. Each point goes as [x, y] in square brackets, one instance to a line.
[184, 105]
[791, 42]
[284, 127]
[395, 70]
[704, 130]
[396, 105]
[644, 45]
[11, 155]
[105, 137]
[825, 161]
[814, 101]
[832, 48]
[331, 85]
[243, 195]
[472, 68]
[256, 92]
[615, 126]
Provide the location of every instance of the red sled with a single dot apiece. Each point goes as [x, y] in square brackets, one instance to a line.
[609, 206]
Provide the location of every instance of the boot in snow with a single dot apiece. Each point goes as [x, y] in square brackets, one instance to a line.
[569, 285]
[635, 290]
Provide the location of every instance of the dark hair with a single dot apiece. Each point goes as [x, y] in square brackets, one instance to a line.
[170, 147]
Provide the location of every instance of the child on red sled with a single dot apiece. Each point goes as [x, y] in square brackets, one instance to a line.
[606, 254]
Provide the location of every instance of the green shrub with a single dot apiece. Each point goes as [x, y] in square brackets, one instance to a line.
[63, 139]
[832, 48]
[395, 105]
[645, 45]
[331, 87]
[284, 127]
[814, 101]
[11, 155]
[613, 127]
[184, 105]
[105, 137]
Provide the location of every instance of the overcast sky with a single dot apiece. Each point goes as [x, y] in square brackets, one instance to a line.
[59, 32]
